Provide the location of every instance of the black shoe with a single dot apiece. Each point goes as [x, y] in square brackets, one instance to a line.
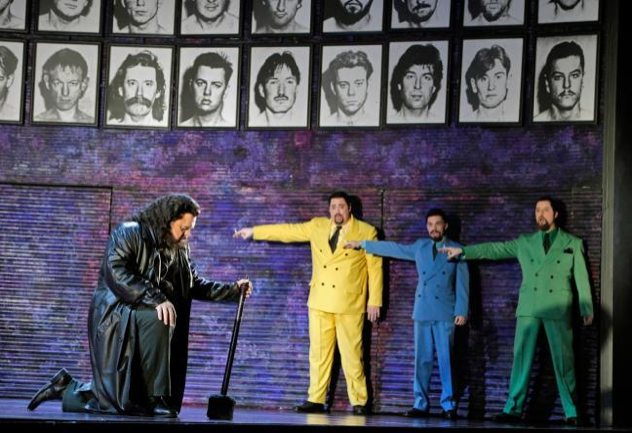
[161, 408]
[52, 390]
[507, 418]
[309, 407]
[361, 410]
[450, 414]
[416, 413]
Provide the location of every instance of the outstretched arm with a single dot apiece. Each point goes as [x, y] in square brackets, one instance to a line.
[245, 233]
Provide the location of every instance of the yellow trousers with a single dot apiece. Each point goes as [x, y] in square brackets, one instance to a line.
[324, 330]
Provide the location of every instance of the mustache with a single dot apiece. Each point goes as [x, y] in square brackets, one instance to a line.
[566, 93]
[281, 98]
[138, 100]
[420, 6]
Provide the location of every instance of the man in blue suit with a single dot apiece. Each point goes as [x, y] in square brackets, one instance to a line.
[441, 302]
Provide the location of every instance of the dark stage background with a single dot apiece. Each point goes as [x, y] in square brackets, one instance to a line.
[63, 188]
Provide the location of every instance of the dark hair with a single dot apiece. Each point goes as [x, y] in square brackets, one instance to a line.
[437, 212]
[212, 60]
[261, 12]
[8, 60]
[163, 211]
[475, 9]
[340, 194]
[115, 102]
[555, 204]
[345, 59]
[483, 61]
[191, 8]
[64, 58]
[267, 70]
[416, 55]
[559, 51]
[46, 5]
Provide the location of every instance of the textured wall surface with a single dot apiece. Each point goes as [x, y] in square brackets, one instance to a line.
[62, 188]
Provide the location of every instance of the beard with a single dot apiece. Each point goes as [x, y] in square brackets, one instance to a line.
[436, 236]
[175, 244]
[544, 225]
[349, 15]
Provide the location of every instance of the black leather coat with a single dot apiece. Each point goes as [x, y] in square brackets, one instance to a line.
[129, 279]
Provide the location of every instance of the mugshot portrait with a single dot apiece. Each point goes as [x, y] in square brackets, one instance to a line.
[63, 16]
[13, 15]
[567, 11]
[480, 13]
[565, 79]
[351, 79]
[139, 86]
[420, 14]
[353, 16]
[147, 17]
[208, 87]
[491, 81]
[279, 87]
[417, 82]
[210, 17]
[281, 17]
[11, 81]
[66, 83]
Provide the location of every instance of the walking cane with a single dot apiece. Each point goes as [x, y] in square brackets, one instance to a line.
[222, 406]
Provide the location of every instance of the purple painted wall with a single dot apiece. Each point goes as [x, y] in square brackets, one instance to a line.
[485, 177]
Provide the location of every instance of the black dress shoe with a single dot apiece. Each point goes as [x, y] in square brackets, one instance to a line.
[161, 409]
[309, 407]
[416, 413]
[507, 418]
[449, 414]
[52, 390]
[361, 410]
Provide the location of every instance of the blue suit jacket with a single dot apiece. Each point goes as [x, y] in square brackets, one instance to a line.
[443, 287]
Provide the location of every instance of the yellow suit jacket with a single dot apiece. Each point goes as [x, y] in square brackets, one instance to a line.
[339, 280]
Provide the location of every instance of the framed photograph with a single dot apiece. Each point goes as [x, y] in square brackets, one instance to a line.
[484, 13]
[139, 86]
[418, 15]
[65, 88]
[565, 79]
[145, 18]
[491, 81]
[11, 81]
[567, 11]
[353, 16]
[13, 15]
[220, 17]
[74, 17]
[208, 87]
[279, 87]
[418, 73]
[351, 79]
[287, 17]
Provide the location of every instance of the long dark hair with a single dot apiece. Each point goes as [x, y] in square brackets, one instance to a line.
[162, 212]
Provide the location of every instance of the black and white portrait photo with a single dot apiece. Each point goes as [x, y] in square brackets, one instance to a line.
[567, 11]
[279, 87]
[565, 79]
[491, 81]
[420, 14]
[69, 16]
[281, 16]
[144, 17]
[139, 83]
[479, 13]
[210, 17]
[417, 77]
[11, 81]
[351, 79]
[13, 15]
[353, 16]
[65, 83]
[208, 87]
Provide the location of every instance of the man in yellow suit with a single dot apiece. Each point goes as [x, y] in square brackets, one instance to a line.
[337, 298]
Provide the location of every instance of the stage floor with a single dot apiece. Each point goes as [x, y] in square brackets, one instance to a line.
[49, 417]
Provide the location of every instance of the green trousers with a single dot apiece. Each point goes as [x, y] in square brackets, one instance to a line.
[560, 337]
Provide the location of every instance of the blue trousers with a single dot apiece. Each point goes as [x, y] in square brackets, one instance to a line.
[428, 335]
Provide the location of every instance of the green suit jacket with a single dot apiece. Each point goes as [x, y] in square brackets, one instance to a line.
[546, 290]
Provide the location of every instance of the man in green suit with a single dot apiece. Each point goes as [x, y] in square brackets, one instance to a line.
[549, 259]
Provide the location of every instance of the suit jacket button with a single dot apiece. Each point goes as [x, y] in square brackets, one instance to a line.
[537, 275]
[531, 260]
[423, 273]
[321, 251]
[336, 268]
[558, 262]
[436, 297]
[551, 276]
[333, 285]
[346, 254]
[322, 284]
[325, 266]
[443, 272]
[535, 288]
[551, 291]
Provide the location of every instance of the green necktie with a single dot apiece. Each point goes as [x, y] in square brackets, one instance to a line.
[333, 242]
